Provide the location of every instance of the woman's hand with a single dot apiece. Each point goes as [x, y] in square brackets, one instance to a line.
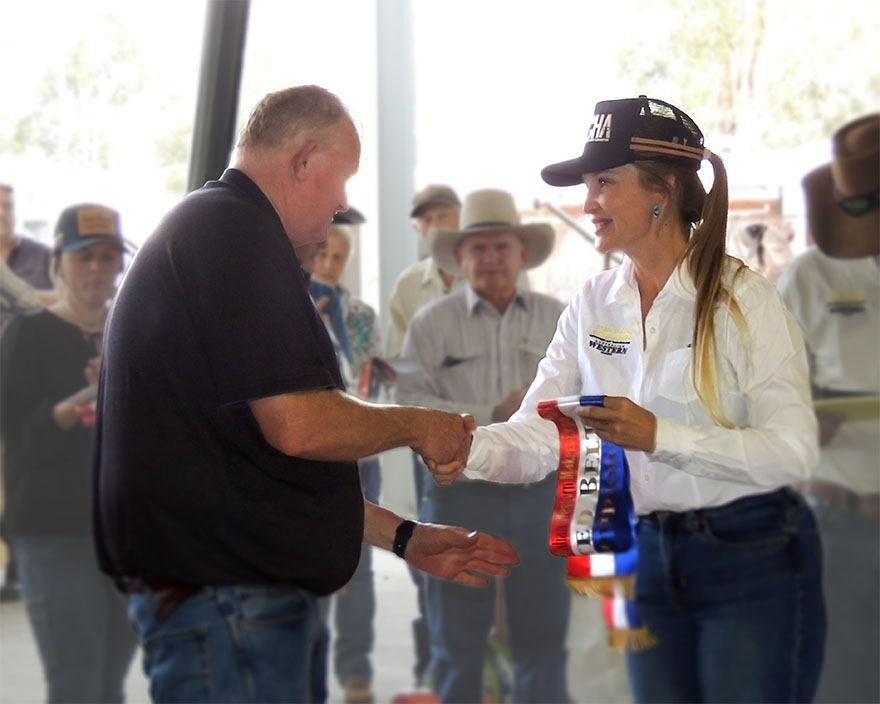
[622, 422]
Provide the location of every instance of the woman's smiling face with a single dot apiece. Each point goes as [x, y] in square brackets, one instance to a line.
[619, 208]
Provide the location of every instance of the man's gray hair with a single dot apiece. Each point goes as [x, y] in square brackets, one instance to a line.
[282, 116]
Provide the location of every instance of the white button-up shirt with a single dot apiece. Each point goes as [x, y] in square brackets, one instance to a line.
[837, 303]
[762, 379]
[469, 356]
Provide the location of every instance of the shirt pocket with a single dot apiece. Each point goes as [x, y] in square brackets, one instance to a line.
[675, 376]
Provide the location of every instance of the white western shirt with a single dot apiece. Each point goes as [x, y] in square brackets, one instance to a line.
[469, 356]
[762, 379]
[837, 303]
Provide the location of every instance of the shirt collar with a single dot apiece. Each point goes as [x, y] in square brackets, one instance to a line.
[474, 301]
[625, 287]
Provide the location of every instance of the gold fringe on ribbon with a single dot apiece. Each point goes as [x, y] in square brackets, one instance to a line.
[631, 639]
[595, 587]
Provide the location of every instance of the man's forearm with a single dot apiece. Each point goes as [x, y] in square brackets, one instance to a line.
[335, 426]
[380, 525]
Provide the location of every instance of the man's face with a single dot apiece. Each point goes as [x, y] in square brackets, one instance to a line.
[445, 216]
[7, 213]
[491, 262]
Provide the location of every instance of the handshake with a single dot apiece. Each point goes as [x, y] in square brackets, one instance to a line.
[444, 442]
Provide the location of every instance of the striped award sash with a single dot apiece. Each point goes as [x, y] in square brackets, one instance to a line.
[593, 521]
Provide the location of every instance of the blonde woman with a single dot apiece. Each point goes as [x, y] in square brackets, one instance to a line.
[707, 390]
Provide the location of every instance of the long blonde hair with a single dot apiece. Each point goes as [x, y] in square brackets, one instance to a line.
[704, 217]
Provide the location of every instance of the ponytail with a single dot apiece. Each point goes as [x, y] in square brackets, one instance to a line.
[706, 259]
[704, 217]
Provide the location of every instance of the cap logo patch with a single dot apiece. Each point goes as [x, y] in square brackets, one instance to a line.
[96, 221]
[600, 130]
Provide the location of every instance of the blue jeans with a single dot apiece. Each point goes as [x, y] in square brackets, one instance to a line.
[851, 552]
[733, 595]
[536, 597]
[231, 644]
[355, 603]
[77, 617]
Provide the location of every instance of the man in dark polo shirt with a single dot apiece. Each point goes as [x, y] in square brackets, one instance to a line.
[227, 493]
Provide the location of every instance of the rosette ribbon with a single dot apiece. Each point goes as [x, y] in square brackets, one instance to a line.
[593, 521]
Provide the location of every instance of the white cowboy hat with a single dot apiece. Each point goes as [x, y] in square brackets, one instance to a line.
[490, 210]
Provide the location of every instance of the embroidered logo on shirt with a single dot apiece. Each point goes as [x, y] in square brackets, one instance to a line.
[847, 302]
[609, 341]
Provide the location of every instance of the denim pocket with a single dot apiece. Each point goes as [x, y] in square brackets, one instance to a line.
[272, 606]
[177, 664]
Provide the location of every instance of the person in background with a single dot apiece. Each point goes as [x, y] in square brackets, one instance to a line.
[833, 290]
[25, 285]
[478, 348]
[227, 492]
[706, 387]
[436, 205]
[355, 603]
[49, 365]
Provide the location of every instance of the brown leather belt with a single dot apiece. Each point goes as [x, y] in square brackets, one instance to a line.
[168, 593]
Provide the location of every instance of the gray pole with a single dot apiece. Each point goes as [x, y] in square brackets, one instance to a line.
[396, 99]
[219, 81]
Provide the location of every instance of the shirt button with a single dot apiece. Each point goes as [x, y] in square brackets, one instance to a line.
[653, 330]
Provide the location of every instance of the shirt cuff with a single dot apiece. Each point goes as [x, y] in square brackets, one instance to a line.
[478, 455]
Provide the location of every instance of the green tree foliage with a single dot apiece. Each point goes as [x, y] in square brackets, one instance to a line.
[778, 73]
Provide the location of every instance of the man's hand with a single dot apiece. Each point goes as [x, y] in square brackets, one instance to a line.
[622, 422]
[446, 438]
[458, 554]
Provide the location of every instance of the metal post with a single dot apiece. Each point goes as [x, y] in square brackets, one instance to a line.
[219, 81]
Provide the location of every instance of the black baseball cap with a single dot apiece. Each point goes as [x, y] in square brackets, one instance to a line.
[86, 224]
[626, 130]
[352, 216]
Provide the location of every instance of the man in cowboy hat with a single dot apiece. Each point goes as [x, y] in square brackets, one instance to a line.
[478, 349]
[833, 290]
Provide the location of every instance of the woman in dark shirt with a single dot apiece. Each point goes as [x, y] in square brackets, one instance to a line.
[49, 369]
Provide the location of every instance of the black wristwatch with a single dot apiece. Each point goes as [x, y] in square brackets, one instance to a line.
[401, 537]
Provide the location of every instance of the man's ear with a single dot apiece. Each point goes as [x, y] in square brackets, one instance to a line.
[301, 158]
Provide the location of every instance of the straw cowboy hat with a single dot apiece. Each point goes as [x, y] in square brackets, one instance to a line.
[490, 210]
[843, 197]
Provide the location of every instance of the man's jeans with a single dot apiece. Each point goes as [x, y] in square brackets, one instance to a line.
[733, 596]
[230, 644]
[78, 618]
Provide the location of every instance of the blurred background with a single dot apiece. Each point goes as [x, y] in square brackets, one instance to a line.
[101, 100]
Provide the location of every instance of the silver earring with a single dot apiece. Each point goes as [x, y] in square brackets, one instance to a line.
[655, 211]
